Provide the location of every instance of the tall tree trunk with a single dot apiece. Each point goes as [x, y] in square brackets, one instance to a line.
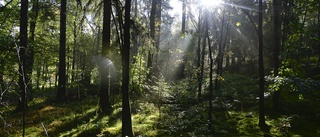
[56, 76]
[319, 41]
[225, 45]
[2, 86]
[30, 61]
[180, 74]
[155, 22]
[157, 33]
[38, 74]
[135, 8]
[152, 35]
[219, 58]
[43, 74]
[74, 52]
[210, 76]
[61, 94]
[228, 45]
[22, 54]
[125, 53]
[200, 79]
[22, 104]
[277, 44]
[184, 10]
[135, 45]
[199, 57]
[181, 66]
[261, 69]
[104, 103]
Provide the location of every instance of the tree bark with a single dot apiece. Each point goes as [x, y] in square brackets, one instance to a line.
[155, 23]
[200, 79]
[319, 41]
[277, 44]
[219, 58]
[125, 53]
[152, 35]
[261, 70]
[199, 57]
[225, 44]
[30, 61]
[2, 86]
[135, 45]
[210, 77]
[22, 55]
[184, 10]
[181, 66]
[74, 49]
[61, 94]
[104, 103]
[22, 104]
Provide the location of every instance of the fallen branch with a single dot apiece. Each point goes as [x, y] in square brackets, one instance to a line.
[44, 128]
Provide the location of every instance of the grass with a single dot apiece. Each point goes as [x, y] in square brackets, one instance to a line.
[234, 114]
[75, 119]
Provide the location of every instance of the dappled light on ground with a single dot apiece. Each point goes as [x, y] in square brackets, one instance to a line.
[235, 114]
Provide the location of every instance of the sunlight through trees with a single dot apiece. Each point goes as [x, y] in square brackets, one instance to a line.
[159, 68]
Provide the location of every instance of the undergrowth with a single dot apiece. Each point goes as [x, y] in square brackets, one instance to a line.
[176, 112]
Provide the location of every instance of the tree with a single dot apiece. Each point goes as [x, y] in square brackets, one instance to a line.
[155, 23]
[180, 74]
[184, 10]
[261, 69]
[200, 77]
[199, 74]
[61, 94]
[318, 64]
[125, 54]
[23, 55]
[210, 73]
[277, 44]
[30, 61]
[23, 60]
[220, 57]
[104, 103]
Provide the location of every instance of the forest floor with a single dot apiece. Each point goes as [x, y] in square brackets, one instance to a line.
[234, 114]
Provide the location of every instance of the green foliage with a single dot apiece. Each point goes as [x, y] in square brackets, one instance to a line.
[240, 90]
[304, 86]
[179, 114]
[299, 96]
[291, 67]
[234, 112]
[165, 108]
[76, 118]
[183, 121]
[182, 92]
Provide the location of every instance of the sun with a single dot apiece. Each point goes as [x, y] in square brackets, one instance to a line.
[211, 3]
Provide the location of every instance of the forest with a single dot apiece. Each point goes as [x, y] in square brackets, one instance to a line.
[147, 68]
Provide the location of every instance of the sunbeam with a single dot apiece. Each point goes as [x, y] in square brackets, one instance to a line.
[237, 5]
[211, 3]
